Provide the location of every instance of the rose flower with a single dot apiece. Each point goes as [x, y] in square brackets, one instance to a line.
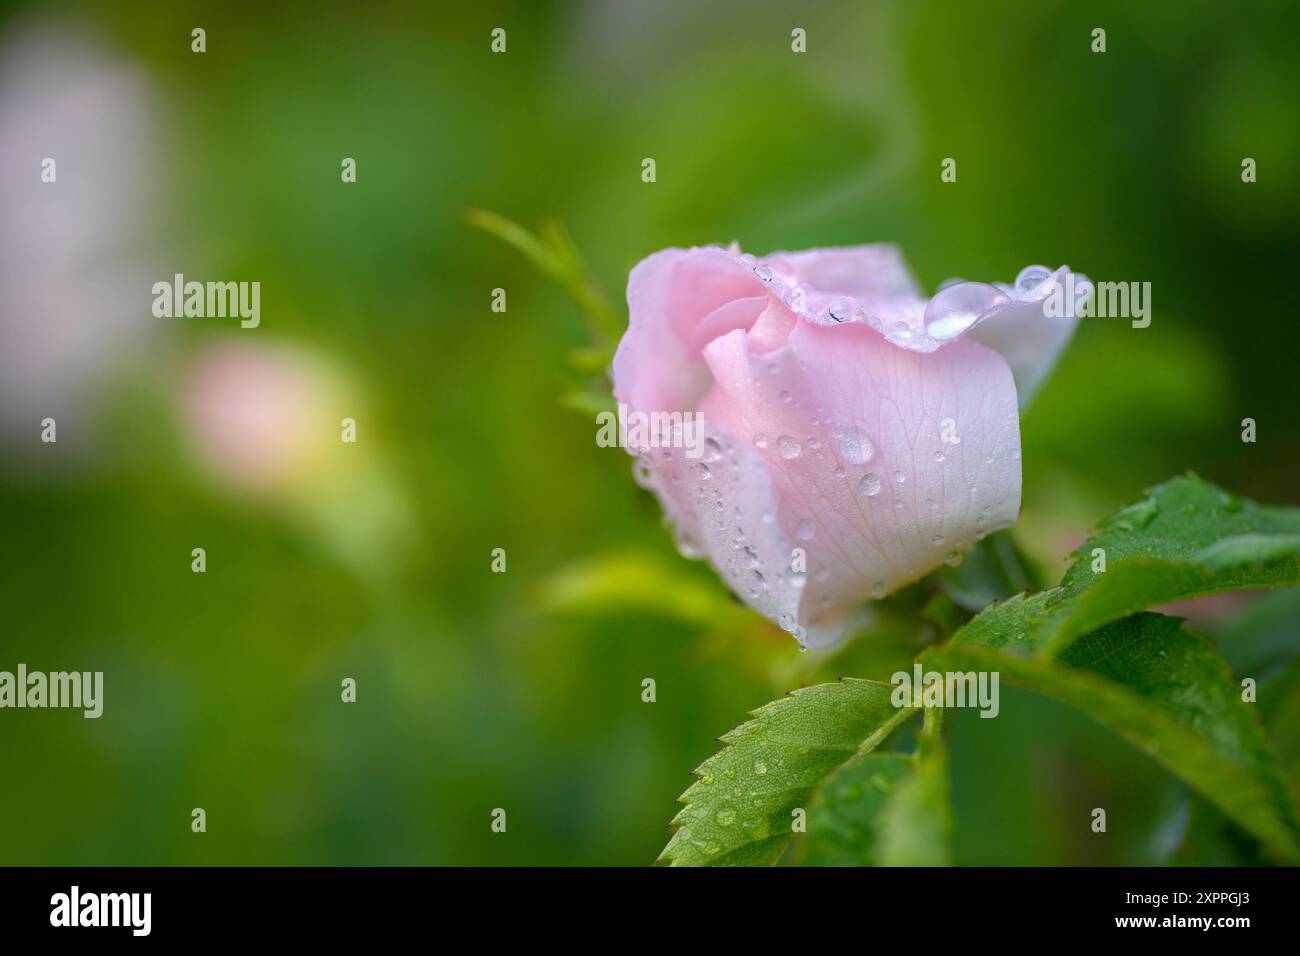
[856, 433]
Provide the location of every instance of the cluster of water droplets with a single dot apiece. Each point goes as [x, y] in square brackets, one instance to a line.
[728, 497]
[904, 319]
[829, 307]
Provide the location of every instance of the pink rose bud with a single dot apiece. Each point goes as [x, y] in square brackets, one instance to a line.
[817, 428]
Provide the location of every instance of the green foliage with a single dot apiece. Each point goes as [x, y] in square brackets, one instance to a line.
[845, 817]
[622, 580]
[916, 820]
[1171, 695]
[1186, 539]
[553, 252]
[555, 255]
[1088, 643]
[742, 809]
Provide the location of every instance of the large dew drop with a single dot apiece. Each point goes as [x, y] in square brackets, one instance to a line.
[844, 309]
[956, 308]
[1031, 277]
[855, 446]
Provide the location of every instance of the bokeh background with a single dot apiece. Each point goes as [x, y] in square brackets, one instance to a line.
[327, 560]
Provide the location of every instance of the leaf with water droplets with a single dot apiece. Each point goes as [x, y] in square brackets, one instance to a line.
[1186, 539]
[741, 809]
[1166, 691]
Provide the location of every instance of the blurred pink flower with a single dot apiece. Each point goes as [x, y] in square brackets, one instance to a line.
[278, 424]
[845, 414]
[256, 414]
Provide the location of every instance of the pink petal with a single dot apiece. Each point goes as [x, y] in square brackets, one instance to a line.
[844, 398]
[869, 273]
[670, 295]
[721, 506]
[1024, 334]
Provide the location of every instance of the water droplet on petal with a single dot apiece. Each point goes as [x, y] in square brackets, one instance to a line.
[1031, 277]
[788, 447]
[899, 477]
[805, 530]
[955, 309]
[952, 559]
[869, 486]
[854, 444]
[844, 309]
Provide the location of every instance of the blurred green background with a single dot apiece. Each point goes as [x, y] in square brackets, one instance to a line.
[327, 560]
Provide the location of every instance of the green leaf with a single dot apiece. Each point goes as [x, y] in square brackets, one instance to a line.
[617, 581]
[844, 816]
[1186, 539]
[1168, 692]
[884, 809]
[916, 820]
[1010, 625]
[741, 810]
